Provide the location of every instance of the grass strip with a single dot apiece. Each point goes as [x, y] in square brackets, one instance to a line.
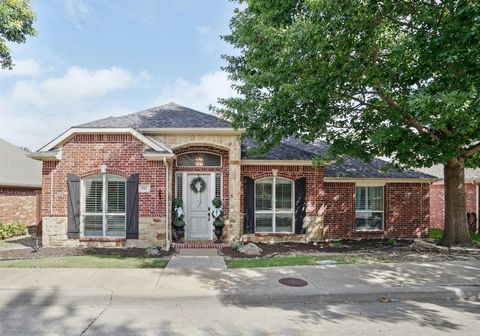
[294, 261]
[96, 261]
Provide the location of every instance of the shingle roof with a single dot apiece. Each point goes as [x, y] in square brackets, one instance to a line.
[437, 170]
[292, 149]
[17, 169]
[170, 115]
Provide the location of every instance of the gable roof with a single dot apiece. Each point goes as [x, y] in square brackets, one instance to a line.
[17, 169]
[147, 140]
[437, 170]
[293, 149]
[170, 115]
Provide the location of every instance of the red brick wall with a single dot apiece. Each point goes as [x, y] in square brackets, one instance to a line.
[314, 197]
[437, 203]
[19, 205]
[83, 155]
[224, 169]
[339, 210]
[406, 211]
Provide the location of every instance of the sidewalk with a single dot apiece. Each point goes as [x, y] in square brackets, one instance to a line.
[194, 277]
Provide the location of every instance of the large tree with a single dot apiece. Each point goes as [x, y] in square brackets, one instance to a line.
[393, 78]
[16, 22]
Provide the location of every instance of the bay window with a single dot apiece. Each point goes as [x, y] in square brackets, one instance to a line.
[369, 214]
[103, 206]
[274, 205]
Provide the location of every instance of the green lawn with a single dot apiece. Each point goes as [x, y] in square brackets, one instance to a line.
[437, 234]
[293, 261]
[98, 261]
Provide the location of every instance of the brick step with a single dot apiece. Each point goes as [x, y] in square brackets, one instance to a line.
[199, 245]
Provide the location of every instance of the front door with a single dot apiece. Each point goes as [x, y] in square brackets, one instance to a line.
[198, 203]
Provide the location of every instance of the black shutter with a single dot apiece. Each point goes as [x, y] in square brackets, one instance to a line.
[248, 205]
[73, 207]
[132, 206]
[300, 193]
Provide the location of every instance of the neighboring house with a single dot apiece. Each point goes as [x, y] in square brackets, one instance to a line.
[437, 196]
[111, 183]
[20, 186]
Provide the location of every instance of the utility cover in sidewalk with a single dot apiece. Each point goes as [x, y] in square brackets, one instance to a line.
[293, 282]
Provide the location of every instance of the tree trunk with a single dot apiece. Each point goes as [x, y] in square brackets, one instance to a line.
[455, 228]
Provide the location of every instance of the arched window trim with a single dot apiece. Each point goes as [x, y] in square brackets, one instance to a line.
[274, 210]
[112, 229]
[200, 152]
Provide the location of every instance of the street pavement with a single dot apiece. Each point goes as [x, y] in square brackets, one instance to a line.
[197, 295]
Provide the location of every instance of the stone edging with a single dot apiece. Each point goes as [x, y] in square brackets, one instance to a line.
[424, 245]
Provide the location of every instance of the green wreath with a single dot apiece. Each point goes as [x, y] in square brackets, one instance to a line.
[195, 181]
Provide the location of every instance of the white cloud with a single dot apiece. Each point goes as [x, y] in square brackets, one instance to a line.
[198, 95]
[26, 67]
[75, 85]
[78, 11]
[33, 112]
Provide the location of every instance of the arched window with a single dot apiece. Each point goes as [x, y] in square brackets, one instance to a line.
[103, 206]
[199, 160]
[274, 205]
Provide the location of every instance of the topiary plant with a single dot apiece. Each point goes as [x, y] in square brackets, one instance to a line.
[177, 214]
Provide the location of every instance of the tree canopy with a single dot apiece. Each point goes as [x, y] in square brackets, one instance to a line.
[16, 23]
[394, 78]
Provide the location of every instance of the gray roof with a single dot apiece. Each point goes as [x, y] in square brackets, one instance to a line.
[292, 149]
[437, 170]
[17, 169]
[170, 115]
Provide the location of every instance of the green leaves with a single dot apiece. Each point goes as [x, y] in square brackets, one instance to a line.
[394, 78]
[16, 22]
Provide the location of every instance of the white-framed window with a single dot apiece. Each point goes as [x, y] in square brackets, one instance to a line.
[274, 205]
[179, 185]
[199, 160]
[218, 185]
[103, 206]
[369, 213]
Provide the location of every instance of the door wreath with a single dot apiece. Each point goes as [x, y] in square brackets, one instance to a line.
[198, 185]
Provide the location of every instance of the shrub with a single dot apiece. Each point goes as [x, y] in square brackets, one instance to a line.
[392, 242]
[337, 245]
[12, 229]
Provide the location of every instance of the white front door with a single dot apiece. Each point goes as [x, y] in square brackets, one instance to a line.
[198, 203]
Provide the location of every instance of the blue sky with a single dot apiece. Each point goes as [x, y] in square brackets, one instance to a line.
[96, 58]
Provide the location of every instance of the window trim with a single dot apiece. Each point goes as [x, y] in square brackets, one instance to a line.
[382, 229]
[274, 206]
[104, 178]
[202, 152]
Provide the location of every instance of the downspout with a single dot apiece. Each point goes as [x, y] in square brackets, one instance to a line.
[167, 221]
[477, 186]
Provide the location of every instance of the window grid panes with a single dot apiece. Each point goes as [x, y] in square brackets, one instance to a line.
[369, 214]
[199, 160]
[104, 207]
[218, 185]
[179, 185]
[274, 205]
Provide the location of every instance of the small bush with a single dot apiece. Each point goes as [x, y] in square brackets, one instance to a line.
[392, 242]
[337, 245]
[12, 230]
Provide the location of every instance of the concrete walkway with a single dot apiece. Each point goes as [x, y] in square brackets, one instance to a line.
[206, 276]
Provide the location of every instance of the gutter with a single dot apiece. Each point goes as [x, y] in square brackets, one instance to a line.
[167, 219]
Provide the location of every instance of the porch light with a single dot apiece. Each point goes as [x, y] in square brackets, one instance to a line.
[199, 161]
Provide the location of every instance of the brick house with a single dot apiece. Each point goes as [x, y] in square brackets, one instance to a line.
[20, 186]
[111, 183]
[437, 197]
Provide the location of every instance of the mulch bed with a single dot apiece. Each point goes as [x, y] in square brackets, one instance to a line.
[377, 249]
[66, 251]
[343, 246]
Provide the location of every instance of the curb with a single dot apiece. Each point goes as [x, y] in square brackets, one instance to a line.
[241, 298]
